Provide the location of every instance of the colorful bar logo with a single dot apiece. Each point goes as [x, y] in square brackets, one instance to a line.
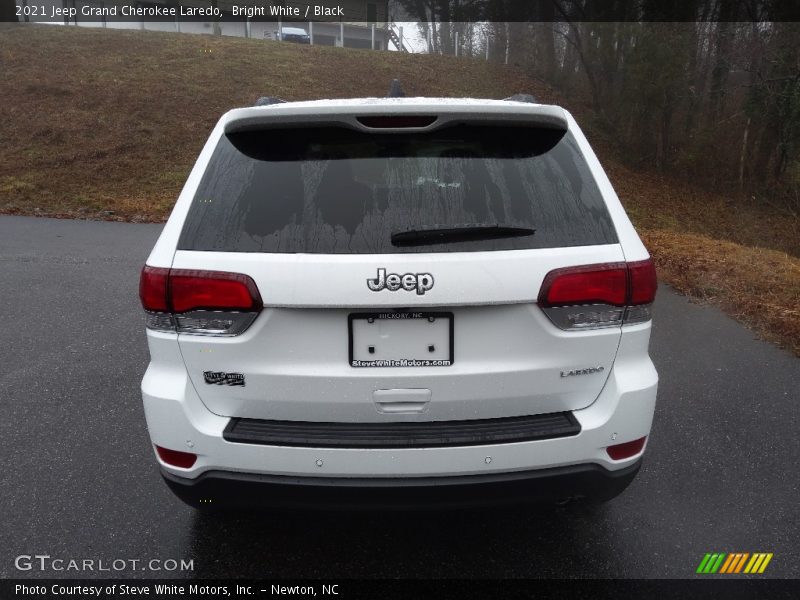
[735, 562]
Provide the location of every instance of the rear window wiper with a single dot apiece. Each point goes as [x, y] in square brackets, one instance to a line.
[449, 235]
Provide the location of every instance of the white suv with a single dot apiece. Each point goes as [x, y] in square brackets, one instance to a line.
[398, 302]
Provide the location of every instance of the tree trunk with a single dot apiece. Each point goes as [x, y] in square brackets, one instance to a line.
[743, 154]
[766, 148]
[546, 40]
[666, 125]
[566, 78]
[722, 56]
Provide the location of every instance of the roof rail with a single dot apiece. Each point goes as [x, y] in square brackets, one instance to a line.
[522, 98]
[395, 91]
[267, 100]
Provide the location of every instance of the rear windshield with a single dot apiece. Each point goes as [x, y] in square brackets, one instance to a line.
[339, 191]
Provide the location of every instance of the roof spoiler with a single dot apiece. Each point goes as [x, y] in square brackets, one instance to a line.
[522, 98]
[396, 91]
[267, 100]
[353, 116]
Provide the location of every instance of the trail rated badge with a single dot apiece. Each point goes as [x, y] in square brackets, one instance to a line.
[222, 378]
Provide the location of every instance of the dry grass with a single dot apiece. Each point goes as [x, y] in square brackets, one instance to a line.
[654, 201]
[103, 120]
[106, 124]
[757, 286]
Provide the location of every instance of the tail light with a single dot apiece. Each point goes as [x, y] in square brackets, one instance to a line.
[604, 295]
[200, 302]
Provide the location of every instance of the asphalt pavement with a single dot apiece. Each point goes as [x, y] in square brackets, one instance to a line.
[79, 480]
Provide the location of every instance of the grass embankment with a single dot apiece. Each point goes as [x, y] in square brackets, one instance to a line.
[106, 124]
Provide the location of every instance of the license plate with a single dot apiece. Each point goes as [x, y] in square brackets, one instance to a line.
[401, 339]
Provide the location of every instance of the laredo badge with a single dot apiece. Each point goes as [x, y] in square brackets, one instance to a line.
[222, 378]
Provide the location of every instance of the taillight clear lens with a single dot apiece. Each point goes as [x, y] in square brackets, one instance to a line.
[604, 295]
[200, 302]
[638, 314]
[159, 321]
[214, 322]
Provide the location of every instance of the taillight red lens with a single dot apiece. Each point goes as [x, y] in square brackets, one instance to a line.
[178, 290]
[643, 282]
[626, 449]
[153, 289]
[176, 458]
[618, 284]
[212, 290]
[591, 284]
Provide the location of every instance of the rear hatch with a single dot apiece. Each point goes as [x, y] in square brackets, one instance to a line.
[399, 271]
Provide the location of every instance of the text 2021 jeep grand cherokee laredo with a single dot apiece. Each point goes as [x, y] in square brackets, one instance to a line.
[398, 302]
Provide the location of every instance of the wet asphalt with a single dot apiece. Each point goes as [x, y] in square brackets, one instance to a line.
[79, 480]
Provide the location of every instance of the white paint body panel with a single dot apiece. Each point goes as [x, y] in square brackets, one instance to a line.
[175, 415]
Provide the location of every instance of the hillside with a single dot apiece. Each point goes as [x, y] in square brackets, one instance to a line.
[106, 120]
[107, 123]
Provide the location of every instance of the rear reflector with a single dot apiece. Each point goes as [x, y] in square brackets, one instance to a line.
[627, 449]
[201, 302]
[176, 458]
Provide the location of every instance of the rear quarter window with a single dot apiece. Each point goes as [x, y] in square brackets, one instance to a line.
[340, 191]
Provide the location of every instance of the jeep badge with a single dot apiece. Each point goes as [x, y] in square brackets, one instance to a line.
[421, 282]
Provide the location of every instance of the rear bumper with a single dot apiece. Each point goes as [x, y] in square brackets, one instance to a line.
[178, 420]
[248, 490]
